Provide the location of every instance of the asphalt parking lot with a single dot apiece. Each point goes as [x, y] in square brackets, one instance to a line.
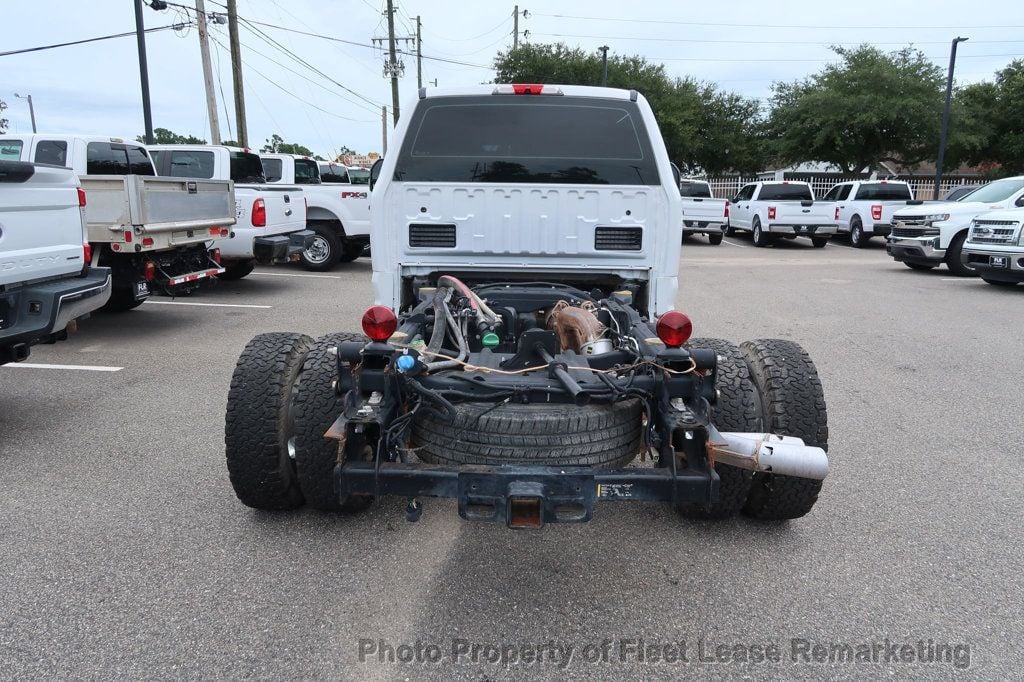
[124, 553]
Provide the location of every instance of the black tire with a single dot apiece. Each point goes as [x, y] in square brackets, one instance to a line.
[730, 231]
[350, 251]
[955, 255]
[238, 269]
[715, 238]
[819, 242]
[259, 420]
[792, 404]
[551, 434]
[120, 301]
[760, 238]
[316, 408]
[919, 266]
[325, 252]
[998, 282]
[858, 239]
[737, 409]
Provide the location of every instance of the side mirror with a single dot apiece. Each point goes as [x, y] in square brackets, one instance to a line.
[676, 174]
[1020, 201]
[375, 172]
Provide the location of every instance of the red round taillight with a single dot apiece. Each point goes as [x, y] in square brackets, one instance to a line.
[674, 328]
[379, 323]
[215, 256]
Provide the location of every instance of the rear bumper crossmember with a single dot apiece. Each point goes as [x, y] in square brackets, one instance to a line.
[527, 496]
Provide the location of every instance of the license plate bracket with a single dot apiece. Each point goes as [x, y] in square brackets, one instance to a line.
[998, 261]
[141, 290]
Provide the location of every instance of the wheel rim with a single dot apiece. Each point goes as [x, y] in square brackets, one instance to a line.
[319, 251]
[757, 232]
[855, 234]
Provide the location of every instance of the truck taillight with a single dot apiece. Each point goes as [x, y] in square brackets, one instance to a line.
[87, 253]
[876, 212]
[149, 271]
[771, 213]
[837, 213]
[726, 208]
[674, 328]
[259, 213]
[379, 323]
[215, 256]
[128, 236]
[81, 198]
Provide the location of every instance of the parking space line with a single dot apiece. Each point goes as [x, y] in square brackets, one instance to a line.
[959, 279]
[742, 246]
[209, 305]
[85, 368]
[293, 274]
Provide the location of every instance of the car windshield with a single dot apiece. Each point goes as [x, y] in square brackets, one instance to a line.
[885, 191]
[695, 189]
[246, 167]
[785, 192]
[527, 139]
[306, 172]
[359, 176]
[1000, 190]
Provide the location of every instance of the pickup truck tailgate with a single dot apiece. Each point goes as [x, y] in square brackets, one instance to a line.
[41, 229]
[703, 210]
[796, 213]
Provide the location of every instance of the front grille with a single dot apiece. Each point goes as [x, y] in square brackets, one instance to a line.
[907, 231]
[991, 232]
[618, 238]
[909, 220]
[431, 235]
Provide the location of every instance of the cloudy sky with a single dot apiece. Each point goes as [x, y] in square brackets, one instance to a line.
[742, 46]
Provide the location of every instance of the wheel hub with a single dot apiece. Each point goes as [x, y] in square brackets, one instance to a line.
[318, 251]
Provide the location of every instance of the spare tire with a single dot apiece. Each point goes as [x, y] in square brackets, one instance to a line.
[548, 434]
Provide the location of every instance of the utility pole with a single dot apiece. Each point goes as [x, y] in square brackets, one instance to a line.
[604, 65]
[236, 72]
[140, 35]
[945, 116]
[515, 24]
[31, 109]
[384, 127]
[394, 59]
[419, 55]
[204, 51]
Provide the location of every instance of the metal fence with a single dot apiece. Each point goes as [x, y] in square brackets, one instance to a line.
[727, 187]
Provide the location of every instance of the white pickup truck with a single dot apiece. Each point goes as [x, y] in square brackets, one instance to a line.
[927, 235]
[995, 247]
[864, 208]
[152, 232]
[781, 209]
[339, 213]
[702, 213]
[46, 282]
[271, 219]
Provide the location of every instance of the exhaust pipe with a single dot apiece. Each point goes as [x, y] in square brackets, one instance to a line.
[769, 453]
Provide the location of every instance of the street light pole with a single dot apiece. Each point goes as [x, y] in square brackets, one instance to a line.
[31, 109]
[945, 116]
[604, 64]
[140, 34]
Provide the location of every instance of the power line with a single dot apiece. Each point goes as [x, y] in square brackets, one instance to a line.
[761, 42]
[466, 40]
[176, 27]
[733, 24]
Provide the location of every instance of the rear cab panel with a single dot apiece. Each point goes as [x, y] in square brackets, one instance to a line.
[528, 195]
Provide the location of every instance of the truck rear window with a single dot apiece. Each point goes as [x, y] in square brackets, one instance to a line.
[247, 167]
[359, 176]
[272, 169]
[10, 150]
[785, 193]
[695, 189]
[334, 174]
[185, 164]
[114, 158]
[884, 192]
[306, 172]
[523, 139]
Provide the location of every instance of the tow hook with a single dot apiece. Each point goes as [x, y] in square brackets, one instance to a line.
[414, 510]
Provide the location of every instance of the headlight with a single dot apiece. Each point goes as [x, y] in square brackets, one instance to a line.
[936, 217]
[1020, 236]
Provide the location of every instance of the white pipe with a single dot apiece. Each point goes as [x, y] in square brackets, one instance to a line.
[769, 453]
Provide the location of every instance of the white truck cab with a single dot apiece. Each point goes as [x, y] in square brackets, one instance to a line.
[46, 281]
[995, 246]
[927, 235]
[864, 208]
[770, 210]
[152, 232]
[506, 181]
[271, 218]
[339, 211]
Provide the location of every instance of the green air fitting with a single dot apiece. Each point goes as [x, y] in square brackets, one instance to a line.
[490, 340]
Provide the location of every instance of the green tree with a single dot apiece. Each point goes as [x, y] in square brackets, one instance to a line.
[277, 145]
[704, 129]
[872, 106]
[989, 128]
[3, 121]
[165, 136]
[231, 143]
